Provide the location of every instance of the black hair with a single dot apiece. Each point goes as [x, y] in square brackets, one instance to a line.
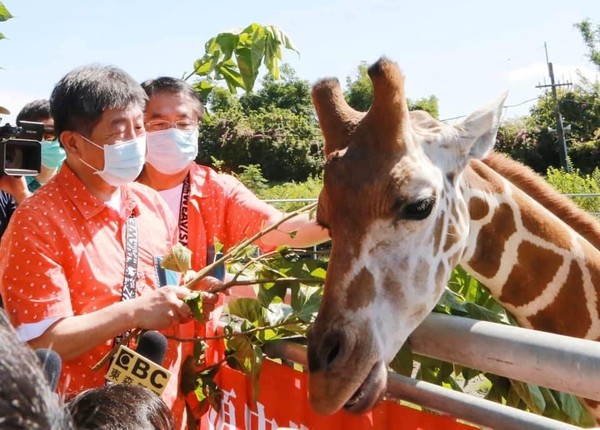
[26, 400]
[37, 111]
[167, 84]
[80, 98]
[120, 407]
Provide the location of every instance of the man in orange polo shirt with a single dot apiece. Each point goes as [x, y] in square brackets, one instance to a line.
[78, 263]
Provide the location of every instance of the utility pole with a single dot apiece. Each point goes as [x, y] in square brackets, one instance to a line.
[562, 147]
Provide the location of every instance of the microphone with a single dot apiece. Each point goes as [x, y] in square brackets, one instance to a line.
[153, 346]
[142, 366]
[51, 365]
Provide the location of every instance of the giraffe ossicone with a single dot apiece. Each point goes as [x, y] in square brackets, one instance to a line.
[406, 198]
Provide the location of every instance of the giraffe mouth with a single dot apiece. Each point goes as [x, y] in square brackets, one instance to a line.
[369, 392]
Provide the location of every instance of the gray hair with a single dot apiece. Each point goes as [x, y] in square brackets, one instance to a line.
[80, 98]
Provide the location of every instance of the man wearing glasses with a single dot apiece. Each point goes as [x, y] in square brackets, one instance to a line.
[53, 154]
[208, 205]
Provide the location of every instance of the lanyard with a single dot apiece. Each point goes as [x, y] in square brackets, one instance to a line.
[183, 211]
[131, 265]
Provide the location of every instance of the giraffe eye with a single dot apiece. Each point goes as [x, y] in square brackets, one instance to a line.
[418, 210]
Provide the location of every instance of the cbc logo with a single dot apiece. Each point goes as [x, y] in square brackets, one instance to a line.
[142, 369]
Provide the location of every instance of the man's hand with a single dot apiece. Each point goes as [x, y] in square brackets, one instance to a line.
[160, 309]
[15, 186]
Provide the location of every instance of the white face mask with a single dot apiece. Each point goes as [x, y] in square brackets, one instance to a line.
[123, 161]
[171, 150]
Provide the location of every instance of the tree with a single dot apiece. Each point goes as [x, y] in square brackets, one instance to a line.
[274, 128]
[290, 93]
[235, 57]
[590, 33]
[359, 94]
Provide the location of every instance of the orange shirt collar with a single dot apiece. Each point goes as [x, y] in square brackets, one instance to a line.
[88, 204]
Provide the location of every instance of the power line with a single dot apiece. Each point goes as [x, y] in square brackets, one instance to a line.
[505, 107]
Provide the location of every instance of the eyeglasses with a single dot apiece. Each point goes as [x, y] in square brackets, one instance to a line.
[161, 124]
[49, 134]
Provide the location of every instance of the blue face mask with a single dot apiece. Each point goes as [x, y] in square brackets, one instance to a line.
[53, 154]
[123, 161]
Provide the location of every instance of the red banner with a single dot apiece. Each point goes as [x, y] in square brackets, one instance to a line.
[283, 403]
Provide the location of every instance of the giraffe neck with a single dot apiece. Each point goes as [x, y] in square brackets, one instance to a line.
[541, 269]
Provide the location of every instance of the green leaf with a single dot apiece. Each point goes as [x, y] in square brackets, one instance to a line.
[179, 259]
[194, 301]
[247, 308]
[4, 13]
[318, 273]
[227, 42]
[403, 361]
[267, 293]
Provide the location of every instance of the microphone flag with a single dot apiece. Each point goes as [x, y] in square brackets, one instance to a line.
[129, 367]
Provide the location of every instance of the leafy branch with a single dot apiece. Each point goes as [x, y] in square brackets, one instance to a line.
[236, 57]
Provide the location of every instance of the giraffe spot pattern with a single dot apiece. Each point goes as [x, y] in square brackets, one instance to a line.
[478, 208]
[545, 228]
[519, 287]
[493, 236]
[361, 291]
[570, 304]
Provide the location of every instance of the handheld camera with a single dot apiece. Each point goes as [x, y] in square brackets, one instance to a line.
[20, 149]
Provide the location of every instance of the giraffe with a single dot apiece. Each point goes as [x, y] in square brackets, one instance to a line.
[407, 198]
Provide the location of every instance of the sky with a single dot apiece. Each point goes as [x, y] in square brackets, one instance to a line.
[463, 52]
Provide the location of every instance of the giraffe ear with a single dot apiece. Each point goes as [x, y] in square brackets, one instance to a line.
[478, 131]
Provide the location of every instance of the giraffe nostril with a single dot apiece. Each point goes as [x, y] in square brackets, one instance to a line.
[333, 353]
[324, 350]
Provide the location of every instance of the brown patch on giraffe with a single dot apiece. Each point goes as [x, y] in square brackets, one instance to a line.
[593, 267]
[592, 403]
[491, 241]
[451, 236]
[437, 234]
[525, 276]
[546, 228]
[422, 272]
[478, 208]
[440, 276]
[361, 290]
[568, 314]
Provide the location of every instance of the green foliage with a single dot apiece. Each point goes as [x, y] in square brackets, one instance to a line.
[290, 93]
[580, 109]
[359, 90]
[359, 94]
[308, 189]
[577, 183]
[251, 176]
[590, 33]
[285, 145]
[235, 57]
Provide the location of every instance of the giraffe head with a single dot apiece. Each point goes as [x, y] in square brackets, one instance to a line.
[398, 224]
